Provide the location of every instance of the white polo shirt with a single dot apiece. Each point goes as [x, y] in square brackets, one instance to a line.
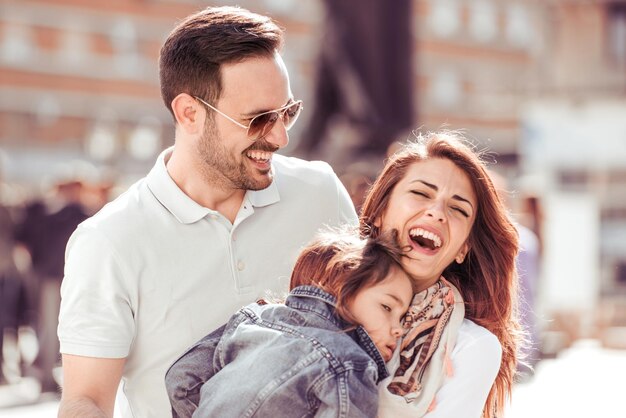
[153, 271]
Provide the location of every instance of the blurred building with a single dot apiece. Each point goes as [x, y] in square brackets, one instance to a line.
[574, 143]
[79, 79]
[477, 62]
[540, 83]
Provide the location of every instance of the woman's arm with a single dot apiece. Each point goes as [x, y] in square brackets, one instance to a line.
[476, 361]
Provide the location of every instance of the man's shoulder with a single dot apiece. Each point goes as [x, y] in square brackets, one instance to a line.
[292, 171]
[124, 212]
[297, 166]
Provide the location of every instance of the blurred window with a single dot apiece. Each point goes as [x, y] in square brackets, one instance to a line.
[75, 48]
[447, 89]
[17, 45]
[573, 179]
[125, 43]
[445, 19]
[483, 24]
[519, 27]
[145, 141]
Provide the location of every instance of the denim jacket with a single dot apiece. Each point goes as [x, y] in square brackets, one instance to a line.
[280, 360]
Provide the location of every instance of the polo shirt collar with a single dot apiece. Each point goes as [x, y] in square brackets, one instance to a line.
[184, 208]
[265, 197]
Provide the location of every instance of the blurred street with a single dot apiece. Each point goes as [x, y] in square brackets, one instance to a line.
[583, 381]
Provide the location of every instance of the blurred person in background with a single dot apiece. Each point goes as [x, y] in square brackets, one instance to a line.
[12, 300]
[357, 178]
[218, 221]
[529, 263]
[44, 232]
[363, 79]
[459, 352]
[525, 209]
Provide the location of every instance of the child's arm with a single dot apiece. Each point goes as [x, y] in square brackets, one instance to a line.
[186, 376]
[352, 393]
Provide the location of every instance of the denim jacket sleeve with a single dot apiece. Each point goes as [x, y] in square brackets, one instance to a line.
[352, 394]
[186, 376]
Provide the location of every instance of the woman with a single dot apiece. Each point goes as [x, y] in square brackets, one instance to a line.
[458, 355]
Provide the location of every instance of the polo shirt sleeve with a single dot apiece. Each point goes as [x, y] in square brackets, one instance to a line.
[476, 362]
[96, 315]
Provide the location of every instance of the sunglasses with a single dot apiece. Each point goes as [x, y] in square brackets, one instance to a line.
[262, 124]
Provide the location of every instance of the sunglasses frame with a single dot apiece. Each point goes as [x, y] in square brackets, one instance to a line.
[280, 111]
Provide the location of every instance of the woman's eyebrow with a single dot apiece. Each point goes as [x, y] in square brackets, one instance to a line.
[435, 188]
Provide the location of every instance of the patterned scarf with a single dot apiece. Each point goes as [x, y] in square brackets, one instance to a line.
[430, 328]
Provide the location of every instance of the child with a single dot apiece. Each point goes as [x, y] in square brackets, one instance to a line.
[320, 353]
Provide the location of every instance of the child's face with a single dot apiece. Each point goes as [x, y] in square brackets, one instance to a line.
[380, 308]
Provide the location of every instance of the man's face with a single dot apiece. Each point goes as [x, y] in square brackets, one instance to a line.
[229, 156]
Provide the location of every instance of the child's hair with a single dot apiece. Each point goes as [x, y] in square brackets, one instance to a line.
[342, 264]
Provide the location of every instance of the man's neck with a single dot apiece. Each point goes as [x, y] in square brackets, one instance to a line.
[210, 193]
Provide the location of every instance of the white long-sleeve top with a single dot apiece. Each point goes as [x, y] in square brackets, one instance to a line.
[476, 360]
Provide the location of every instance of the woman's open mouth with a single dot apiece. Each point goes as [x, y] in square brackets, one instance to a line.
[425, 241]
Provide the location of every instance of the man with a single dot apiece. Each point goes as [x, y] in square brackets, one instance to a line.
[217, 222]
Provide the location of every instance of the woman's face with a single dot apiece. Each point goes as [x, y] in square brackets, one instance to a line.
[433, 209]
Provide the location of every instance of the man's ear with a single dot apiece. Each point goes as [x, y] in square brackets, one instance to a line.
[189, 113]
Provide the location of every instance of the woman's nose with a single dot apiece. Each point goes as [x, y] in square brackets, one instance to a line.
[436, 211]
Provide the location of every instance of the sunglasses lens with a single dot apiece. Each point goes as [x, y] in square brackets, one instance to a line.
[262, 124]
[291, 114]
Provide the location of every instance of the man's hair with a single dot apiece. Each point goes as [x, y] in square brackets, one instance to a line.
[195, 50]
[342, 263]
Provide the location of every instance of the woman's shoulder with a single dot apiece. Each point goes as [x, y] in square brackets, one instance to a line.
[477, 342]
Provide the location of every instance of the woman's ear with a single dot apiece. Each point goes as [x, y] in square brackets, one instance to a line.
[187, 112]
[460, 257]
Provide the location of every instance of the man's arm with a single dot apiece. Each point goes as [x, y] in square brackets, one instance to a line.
[89, 386]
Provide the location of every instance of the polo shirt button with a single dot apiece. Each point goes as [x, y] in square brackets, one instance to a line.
[213, 216]
[241, 265]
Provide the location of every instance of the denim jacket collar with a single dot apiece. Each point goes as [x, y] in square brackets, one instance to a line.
[316, 300]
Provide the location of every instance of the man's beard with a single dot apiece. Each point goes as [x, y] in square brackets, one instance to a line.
[222, 168]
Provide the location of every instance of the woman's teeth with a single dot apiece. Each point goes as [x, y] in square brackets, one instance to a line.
[429, 239]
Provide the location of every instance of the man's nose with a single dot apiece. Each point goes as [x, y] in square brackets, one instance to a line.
[278, 134]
